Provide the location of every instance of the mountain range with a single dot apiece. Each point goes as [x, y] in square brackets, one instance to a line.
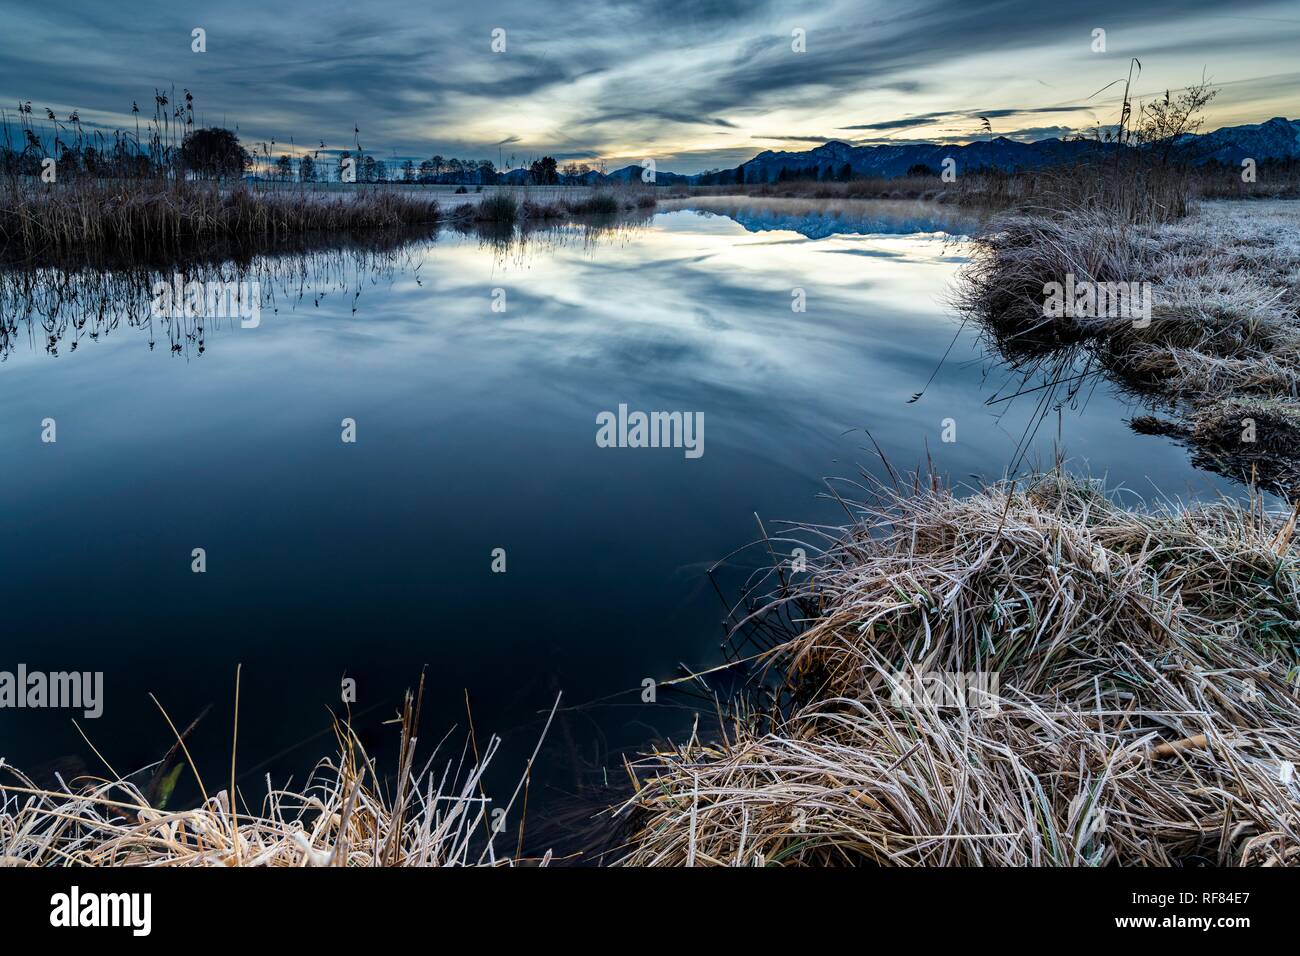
[1277, 139]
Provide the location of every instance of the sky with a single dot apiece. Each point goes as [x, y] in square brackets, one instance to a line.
[692, 84]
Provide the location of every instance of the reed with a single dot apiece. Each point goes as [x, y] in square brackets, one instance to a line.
[599, 202]
[500, 207]
[151, 217]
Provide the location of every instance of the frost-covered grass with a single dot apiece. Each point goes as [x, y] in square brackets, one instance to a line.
[1146, 707]
[1224, 329]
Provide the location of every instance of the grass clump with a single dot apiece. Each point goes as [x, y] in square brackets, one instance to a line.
[344, 815]
[597, 204]
[1146, 709]
[505, 207]
[500, 207]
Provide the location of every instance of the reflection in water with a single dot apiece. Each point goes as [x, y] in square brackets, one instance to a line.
[1052, 371]
[57, 308]
[820, 218]
[476, 430]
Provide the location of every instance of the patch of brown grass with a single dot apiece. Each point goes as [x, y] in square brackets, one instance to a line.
[344, 815]
[153, 217]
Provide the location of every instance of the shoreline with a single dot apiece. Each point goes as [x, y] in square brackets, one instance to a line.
[1142, 703]
[1219, 346]
[1144, 658]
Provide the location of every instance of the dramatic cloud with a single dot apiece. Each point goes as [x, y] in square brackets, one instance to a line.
[690, 83]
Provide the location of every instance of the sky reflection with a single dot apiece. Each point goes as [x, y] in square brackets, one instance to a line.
[476, 430]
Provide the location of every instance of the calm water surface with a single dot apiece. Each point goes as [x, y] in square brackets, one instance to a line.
[475, 431]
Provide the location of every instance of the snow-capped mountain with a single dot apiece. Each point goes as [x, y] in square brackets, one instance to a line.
[1279, 138]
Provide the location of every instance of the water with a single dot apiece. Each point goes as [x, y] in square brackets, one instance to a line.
[475, 431]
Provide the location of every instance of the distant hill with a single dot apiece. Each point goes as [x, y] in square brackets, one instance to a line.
[632, 174]
[830, 160]
[1278, 139]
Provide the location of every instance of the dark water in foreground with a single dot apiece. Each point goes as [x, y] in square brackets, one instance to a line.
[476, 430]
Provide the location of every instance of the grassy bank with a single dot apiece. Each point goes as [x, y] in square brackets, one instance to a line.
[1221, 348]
[1146, 703]
[1099, 182]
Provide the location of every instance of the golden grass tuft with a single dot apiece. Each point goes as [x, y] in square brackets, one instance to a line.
[344, 815]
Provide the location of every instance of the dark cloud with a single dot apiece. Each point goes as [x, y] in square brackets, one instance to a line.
[598, 77]
[932, 119]
[670, 116]
[800, 139]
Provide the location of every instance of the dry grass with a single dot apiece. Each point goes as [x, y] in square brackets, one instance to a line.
[150, 217]
[1126, 188]
[1147, 710]
[153, 219]
[1225, 293]
[344, 815]
[1225, 316]
[506, 207]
